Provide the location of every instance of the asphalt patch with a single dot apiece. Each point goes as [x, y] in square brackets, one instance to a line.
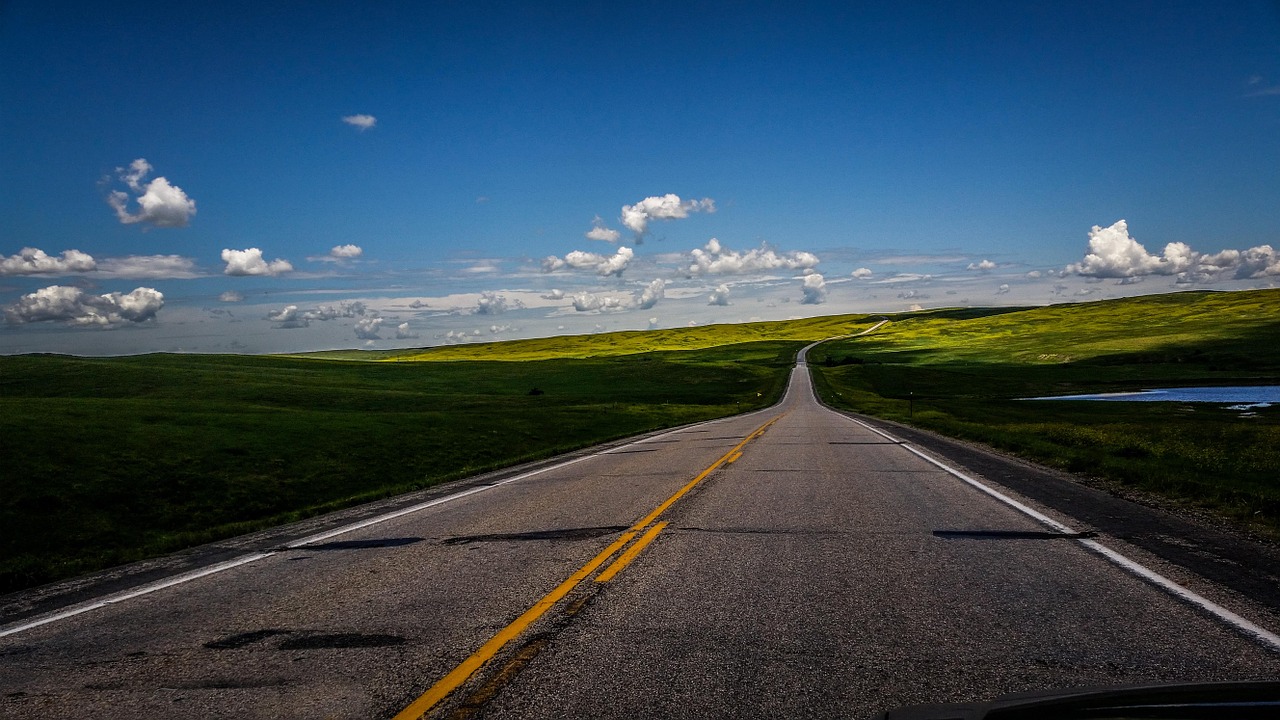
[561, 534]
[239, 640]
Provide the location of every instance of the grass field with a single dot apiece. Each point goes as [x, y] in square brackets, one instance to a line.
[961, 373]
[108, 460]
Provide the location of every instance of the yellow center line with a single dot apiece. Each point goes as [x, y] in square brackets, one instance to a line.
[701, 476]
[625, 558]
[468, 667]
[460, 674]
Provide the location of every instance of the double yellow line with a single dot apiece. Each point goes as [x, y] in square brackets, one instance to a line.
[463, 672]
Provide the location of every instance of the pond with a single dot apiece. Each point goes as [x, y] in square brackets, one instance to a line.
[1240, 397]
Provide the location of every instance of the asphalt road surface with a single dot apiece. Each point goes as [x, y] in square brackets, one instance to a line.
[792, 562]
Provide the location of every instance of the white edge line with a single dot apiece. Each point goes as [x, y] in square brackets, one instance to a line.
[254, 557]
[1261, 635]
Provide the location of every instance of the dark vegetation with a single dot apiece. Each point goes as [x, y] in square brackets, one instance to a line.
[109, 460]
[961, 374]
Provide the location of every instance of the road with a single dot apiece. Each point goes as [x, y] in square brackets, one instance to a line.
[790, 562]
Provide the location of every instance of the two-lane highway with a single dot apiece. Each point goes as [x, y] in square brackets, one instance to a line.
[788, 562]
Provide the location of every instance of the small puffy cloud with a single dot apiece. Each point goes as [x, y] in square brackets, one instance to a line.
[250, 262]
[554, 294]
[60, 303]
[34, 261]
[362, 122]
[231, 296]
[149, 266]
[814, 289]
[343, 310]
[1003, 289]
[404, 333]
[653, 323]
[491, 303]
[719, 296]
[587, 302]
[861, 273]
[666, 207]
[345, 252]
[602, 264]
[1035, 275]
[651, 294]
[715, 259]
[160, 203]
[599, 232]
[289, 318]
[367, 328]
[983, 266]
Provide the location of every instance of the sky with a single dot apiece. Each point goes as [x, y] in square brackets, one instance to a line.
[294, 176]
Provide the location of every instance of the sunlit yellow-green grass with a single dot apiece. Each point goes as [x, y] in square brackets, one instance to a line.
[1122, 329]
[624, 343]
[962, 373]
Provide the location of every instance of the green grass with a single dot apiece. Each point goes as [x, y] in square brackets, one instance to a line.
[620, 343]
[109, 460]
[961, 373]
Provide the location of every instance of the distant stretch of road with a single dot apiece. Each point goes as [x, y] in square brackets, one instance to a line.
[792, 562]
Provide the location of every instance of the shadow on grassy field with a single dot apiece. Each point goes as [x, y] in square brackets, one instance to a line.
[109, 460]
[961, 374]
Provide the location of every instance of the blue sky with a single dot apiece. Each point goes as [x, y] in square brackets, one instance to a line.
[906, 154]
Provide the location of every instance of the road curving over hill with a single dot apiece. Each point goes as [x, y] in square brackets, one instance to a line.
[792, 562]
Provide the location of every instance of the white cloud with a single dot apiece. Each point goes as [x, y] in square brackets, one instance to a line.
[160, 203]
[367, 328]
[651, 294]
[983, 266]
[1035, 274]
[666, 207]
[491, 303]
[343, 310]
[1114, 254]
[363, 122]
[1003, 289]
[599, 232]
[814, 289]
[862, 273]
[904, 278]
[404, 333]
[554, 294]
[346, 252]
[719, 296]
[150, 266]
[482, 267]
[34, 261]
[580, 260]
[250, 262]
[60, 303]
[715, 259]
[587, 302]
[231, 296]
[289, 318]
